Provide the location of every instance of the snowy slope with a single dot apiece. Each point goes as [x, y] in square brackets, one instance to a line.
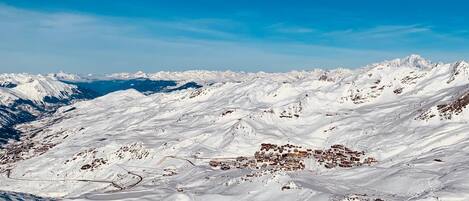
[32, 87]
[23, 97]
[405, 121]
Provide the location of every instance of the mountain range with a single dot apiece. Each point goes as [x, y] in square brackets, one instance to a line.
[393, 130]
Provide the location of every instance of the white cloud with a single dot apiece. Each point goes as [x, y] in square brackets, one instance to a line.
[383, 31]
[288, 29]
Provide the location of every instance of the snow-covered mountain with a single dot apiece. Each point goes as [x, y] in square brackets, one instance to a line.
[394, 130]
[25, 97]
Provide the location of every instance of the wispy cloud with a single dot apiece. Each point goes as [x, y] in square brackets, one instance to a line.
[289, 29]
[383, 31]
[411, 38]
[39, 41]
[197, 28]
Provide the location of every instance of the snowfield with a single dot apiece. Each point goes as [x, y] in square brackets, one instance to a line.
[395, 130]
[25, 97]
[32, 87]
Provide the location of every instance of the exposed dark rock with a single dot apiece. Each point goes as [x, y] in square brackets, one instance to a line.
[455, 107]
[8, 85]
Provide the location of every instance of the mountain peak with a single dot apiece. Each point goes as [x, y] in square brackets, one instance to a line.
[415, 60]
[461, 63]
[412, 60]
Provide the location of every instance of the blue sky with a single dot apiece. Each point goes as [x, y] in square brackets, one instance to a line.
[105, 36]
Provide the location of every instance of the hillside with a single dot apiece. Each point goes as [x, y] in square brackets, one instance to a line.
[394, 130]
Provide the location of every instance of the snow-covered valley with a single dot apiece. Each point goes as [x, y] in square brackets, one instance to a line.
[395, 130]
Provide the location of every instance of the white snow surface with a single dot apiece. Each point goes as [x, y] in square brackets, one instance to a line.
[375, 109]
[33, 88]
[204, 76]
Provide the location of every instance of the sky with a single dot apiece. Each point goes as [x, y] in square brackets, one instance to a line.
[107, 36]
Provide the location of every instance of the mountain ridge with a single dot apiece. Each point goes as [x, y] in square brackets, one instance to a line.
[381, 133]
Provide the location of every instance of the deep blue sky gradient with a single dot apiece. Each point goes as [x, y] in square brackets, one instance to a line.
[110, 36]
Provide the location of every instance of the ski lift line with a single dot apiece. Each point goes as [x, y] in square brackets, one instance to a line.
[140, 167]
[213, 158]
[194, 141]
[202, 144]
[194, 157]
[175, 157]
[148, 170]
